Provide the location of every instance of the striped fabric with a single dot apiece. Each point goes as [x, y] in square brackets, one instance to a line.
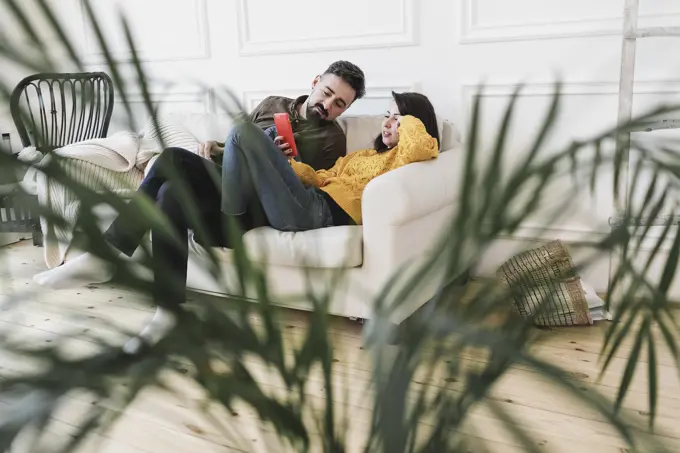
[173, 135]
[64, 203]
[543, 284]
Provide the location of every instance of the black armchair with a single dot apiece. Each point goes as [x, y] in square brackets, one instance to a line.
[50, 111]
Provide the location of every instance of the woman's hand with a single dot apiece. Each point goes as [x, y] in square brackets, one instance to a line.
[208, 149]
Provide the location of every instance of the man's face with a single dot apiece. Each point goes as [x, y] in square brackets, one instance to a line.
[329, 99]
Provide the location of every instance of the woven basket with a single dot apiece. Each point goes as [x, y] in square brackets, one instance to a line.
[543, 283]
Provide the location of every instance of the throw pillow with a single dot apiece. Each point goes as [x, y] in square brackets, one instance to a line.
[174, 136]
[542, 282]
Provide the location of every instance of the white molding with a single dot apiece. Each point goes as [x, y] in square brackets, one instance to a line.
[407, 36]
[201, 97]
[472, 31]
[583, 236]
[251, 98]
[469, 90]
[92, 55]
[668, 86]
[566, 235]
[546, 89]
[198, 96]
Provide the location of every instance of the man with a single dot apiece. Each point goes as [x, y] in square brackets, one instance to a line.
[319, 140]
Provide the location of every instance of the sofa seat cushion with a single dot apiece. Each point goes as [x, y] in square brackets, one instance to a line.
[334, 247]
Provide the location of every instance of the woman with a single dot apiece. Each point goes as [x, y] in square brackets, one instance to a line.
[297, 198]
[254, 169]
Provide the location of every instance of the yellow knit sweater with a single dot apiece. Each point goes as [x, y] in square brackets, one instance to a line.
[345, 182]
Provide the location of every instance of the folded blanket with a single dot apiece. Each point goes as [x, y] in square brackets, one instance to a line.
[116, 163]
[117, 152]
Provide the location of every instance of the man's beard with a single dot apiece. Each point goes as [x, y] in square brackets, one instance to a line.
[314, 115]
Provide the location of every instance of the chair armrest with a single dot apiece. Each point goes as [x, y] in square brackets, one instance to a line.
[413, 191]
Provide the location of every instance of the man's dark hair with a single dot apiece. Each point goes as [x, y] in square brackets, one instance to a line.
[351, 74]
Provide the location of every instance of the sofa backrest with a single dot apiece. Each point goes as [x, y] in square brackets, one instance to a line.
[360, 130]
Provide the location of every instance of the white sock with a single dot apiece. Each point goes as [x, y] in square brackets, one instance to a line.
[162, 322]
[87, 268]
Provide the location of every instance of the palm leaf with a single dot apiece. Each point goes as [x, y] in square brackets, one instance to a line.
[625, 428]
[632, 364]
[489, 205]
[61, 34]
[597, 161]
[30, 30]
[493, 174]
[671, 265]
[468, 182]
[111, 63]
[652, 376]
[522, 437]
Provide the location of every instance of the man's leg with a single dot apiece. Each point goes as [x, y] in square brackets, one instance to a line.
[254, 167]
[124, 235]
[199, 175]
[170, 257]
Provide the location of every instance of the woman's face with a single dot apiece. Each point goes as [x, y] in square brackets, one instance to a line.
[390, 134]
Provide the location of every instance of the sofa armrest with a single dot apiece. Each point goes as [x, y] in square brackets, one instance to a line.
[405, 212]
[413, 191]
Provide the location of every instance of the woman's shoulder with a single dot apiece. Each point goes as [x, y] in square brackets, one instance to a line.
[363, 153]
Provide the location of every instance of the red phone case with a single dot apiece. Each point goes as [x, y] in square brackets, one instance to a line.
[284, 129]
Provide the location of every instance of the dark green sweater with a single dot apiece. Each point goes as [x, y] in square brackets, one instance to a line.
[319, 144]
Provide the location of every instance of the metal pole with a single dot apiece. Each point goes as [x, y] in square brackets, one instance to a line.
[626, 83]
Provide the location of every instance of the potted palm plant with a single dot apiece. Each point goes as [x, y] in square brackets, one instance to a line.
[232, 353]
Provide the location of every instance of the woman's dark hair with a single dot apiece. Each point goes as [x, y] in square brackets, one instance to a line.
[414, 104]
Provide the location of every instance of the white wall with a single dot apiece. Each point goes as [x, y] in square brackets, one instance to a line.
[533, 41]
[442, 48]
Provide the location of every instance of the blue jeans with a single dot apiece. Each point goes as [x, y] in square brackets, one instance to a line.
[254, 167]
[201, 177]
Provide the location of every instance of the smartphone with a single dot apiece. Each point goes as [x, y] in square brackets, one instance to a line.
[284, 129]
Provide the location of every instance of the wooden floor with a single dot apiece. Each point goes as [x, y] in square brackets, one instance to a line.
[164, 423]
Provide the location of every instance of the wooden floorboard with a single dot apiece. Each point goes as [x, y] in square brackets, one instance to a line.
[165, 422]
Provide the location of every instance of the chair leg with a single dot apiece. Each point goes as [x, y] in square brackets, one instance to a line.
[37, 235]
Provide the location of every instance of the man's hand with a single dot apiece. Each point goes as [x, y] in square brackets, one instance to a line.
[283, 146]
[208, 149]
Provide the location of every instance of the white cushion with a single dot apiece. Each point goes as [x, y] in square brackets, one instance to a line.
[360, 131]
[334, 247]
[202, 126]
[174, 134]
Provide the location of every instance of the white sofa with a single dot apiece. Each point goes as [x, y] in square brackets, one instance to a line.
[404, 213]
